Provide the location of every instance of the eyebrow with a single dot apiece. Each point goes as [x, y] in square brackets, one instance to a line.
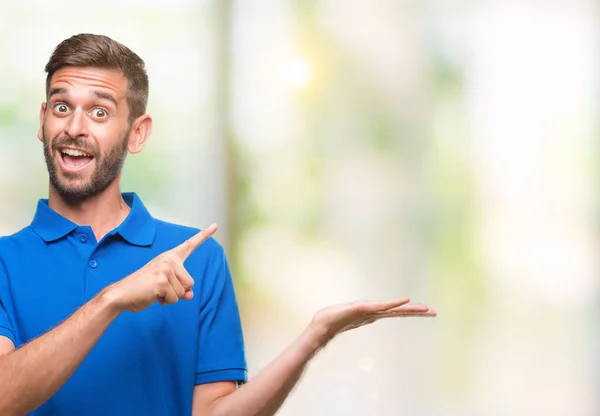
[105, 96]
[99, 94]
[55, 91]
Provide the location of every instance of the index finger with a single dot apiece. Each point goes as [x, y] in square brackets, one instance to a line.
[186, 248]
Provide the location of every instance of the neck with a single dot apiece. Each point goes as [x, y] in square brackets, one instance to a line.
[103, 212]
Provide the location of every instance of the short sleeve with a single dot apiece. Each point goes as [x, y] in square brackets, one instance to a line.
[6, 329]
[221, 352]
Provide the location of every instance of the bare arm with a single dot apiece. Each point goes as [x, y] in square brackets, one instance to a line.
[30, 375]
[6, 345]
[267, 391]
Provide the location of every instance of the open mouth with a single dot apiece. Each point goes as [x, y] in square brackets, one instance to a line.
[74, 159]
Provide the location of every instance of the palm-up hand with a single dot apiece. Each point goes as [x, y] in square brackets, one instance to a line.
[336, 319]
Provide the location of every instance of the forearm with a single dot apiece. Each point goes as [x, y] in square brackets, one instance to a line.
[264, 394]
[30, 375]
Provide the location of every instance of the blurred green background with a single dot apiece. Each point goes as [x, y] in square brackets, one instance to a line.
[366, 149]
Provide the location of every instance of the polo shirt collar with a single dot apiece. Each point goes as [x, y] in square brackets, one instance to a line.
[139, 226]
[137, 229]
[49, 224]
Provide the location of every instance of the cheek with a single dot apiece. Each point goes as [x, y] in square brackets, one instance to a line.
[46, 137]
[51, 128]
[106, 139]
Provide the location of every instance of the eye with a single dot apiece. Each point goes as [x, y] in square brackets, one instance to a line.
[61, 108]
[100, 113]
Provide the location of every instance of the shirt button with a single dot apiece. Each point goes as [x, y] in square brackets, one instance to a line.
[93, 264]
[83, 239]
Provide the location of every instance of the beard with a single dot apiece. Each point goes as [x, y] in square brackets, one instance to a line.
[74, 187]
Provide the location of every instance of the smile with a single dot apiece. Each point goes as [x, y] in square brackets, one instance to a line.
[73, 160]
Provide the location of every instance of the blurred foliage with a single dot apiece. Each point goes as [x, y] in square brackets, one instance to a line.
[358, 175]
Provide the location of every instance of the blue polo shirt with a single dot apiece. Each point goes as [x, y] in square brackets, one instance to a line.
[146, 363]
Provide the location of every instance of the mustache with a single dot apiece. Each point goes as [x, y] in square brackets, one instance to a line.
[79, 143]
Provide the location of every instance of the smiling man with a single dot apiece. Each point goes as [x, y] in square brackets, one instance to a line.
[106, 310]
[76, 154]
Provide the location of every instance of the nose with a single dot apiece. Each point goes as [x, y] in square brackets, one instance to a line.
[76, 125]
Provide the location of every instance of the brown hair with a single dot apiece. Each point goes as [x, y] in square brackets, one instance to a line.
[98, 51]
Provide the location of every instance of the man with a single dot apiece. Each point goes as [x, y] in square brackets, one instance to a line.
[90, 322]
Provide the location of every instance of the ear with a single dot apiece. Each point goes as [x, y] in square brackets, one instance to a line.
[41, 130]
[140, 133]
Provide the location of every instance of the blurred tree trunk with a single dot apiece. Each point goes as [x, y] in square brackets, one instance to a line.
[223, 121]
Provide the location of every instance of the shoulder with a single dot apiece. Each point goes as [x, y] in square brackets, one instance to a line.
[23, 238]
[16, 247]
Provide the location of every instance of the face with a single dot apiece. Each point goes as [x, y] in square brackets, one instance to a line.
[85, 130]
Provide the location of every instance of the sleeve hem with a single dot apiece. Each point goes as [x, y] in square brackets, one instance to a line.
[8, 333]
[240, 375]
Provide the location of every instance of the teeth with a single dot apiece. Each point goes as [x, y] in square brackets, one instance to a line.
[73, 152]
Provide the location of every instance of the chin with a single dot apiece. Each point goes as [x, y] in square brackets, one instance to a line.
[73, 185]
[69, 191]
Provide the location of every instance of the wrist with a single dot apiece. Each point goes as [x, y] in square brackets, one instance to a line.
[316, 337]
[110, 300]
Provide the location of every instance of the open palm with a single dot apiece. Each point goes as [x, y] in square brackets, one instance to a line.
[336, 319]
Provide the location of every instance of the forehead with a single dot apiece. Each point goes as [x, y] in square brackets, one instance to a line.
[73, 79]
